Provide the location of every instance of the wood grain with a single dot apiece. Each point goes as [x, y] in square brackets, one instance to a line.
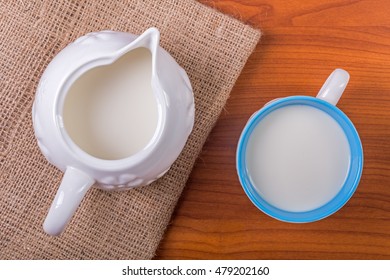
[303, 41]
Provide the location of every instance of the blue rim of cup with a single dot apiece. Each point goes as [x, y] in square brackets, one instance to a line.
[350, 184]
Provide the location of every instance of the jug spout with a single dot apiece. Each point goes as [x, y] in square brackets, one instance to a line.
[150, 39]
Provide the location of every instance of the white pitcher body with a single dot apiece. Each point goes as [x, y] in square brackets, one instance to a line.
[171, 89]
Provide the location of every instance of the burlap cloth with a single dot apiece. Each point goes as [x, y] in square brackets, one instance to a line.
[210, 46]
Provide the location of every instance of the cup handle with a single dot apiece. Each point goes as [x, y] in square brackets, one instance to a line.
[334, 86]
[74, 186]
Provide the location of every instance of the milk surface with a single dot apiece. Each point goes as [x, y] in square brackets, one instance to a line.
[298, 158]
[110, 111]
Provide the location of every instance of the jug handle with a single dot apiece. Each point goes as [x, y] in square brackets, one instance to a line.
[334, 86]
[73, 188]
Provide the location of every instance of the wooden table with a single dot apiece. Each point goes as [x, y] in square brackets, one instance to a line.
[303, 41]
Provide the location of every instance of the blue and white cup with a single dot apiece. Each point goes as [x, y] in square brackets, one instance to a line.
[300, 158]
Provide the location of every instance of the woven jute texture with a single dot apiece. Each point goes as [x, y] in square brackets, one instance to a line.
[210, 46]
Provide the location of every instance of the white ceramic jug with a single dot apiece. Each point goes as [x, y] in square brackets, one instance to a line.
[171, 89]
